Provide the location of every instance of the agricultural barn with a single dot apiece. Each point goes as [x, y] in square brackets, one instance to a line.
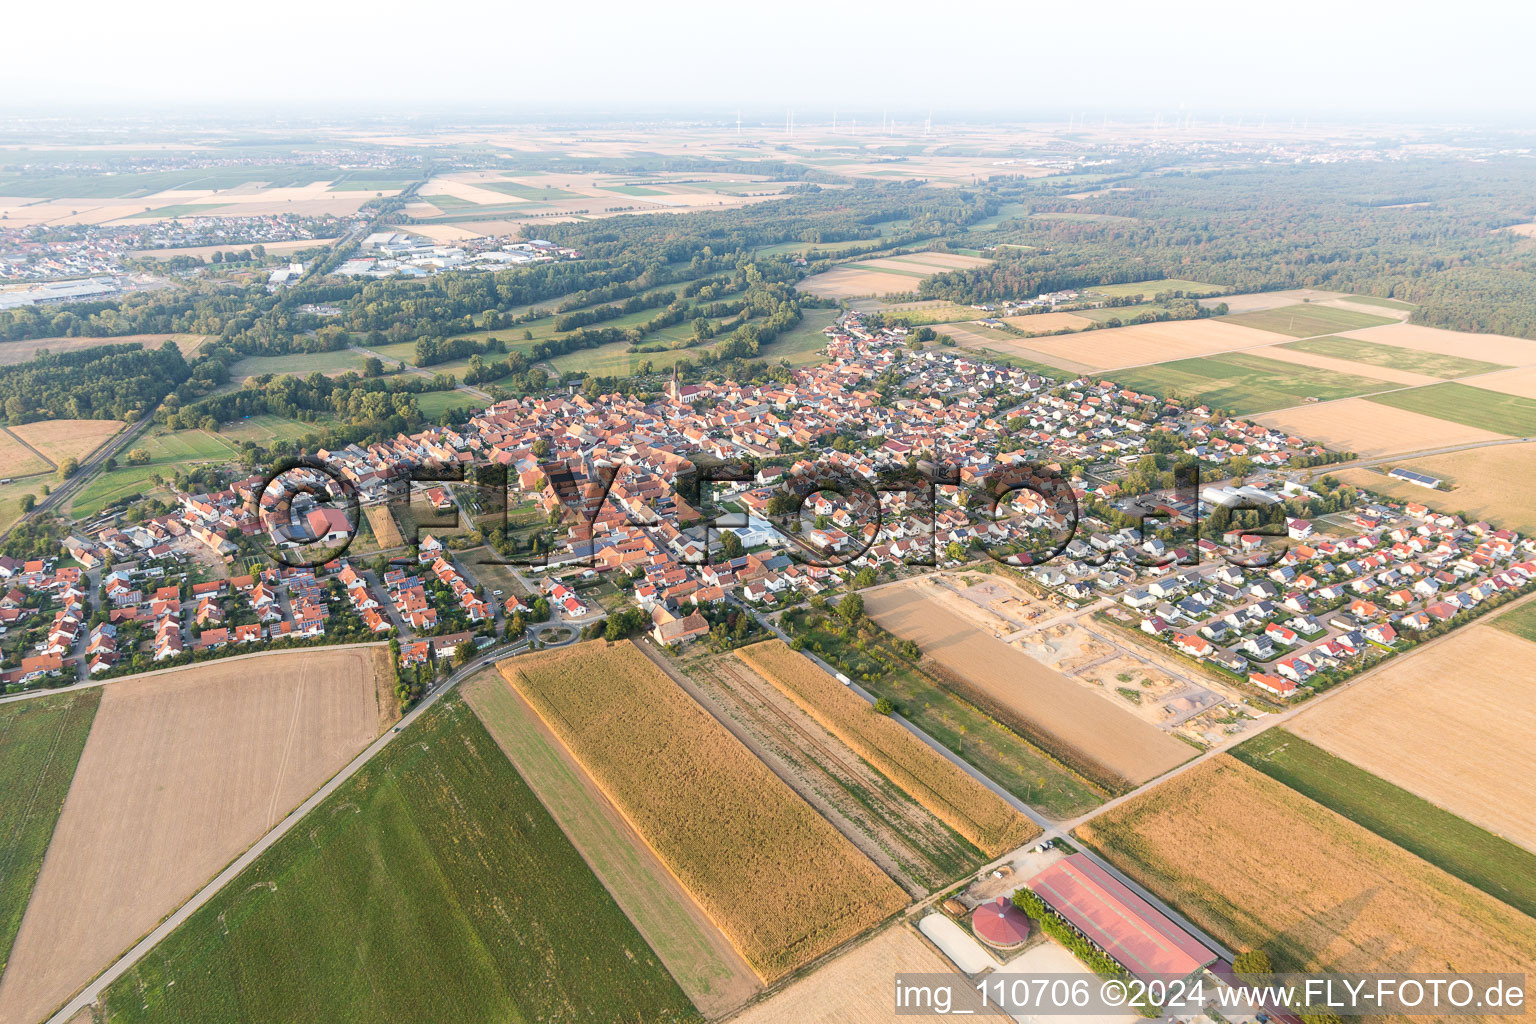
[1422, 479]
[1126, 927]
[1000, 923]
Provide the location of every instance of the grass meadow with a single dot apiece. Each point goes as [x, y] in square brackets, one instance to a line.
[433, 885]
[1431, 364]
[1305, 320]
[40, 744]
[1245, 384]
[1474, 407]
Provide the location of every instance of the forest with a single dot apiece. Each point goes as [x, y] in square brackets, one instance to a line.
[105, 382]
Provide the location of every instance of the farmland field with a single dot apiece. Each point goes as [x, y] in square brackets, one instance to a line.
[1465, 748]
[168, 451]
[959, 800]
[1245, 383]
[1473, 407]
[1151, 288]
[431, 886]
[770, 872]
[300, 364]
[1306, 320]
[1493, 483]
[1070, 721]
[58, 440]
[1047, 323]
[1370, 429]
[1520, 621]
[710, 971]
[1113, 347]
[182, 772]
[1490, 348]
[18, 459]
[1474, 855]
[1429, 364]
[1341, 898]
[1519, 381]
[885, 275]
[12, 352]
[40, 743]
[264, 428]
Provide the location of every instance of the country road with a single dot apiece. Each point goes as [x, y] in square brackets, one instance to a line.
[62, 494]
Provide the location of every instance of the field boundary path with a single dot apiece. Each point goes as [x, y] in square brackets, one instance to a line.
[88, 996]
[62, 494]
[53, 467]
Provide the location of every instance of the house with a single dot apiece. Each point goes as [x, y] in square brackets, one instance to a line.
[1194, 646]
[1274, 684]
[669, 629]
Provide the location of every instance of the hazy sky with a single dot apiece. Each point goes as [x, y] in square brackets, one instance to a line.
[1459, 61]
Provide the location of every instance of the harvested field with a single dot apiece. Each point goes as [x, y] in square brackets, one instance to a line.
[1205, 842]
[1314, 360]
[1370, 429]
[18, 459]
[1048, 323]
[697, 954]
[909, 843]
[990, 342]
[1382, 357]
[1114, 347]
[431, 886]
[1151, 288]
[1493, 483]
[1490, 348]
[1255, 301]
[181, 772]
[939, 785]
[855, 988]
[885, 275]
[58, 440]
[1465, 748]
[1476, 856]
[772, 874]
[12, 352]
[384, 529]
[1072, 723]
[1308, 320]
[40, 743]
[1521, 381]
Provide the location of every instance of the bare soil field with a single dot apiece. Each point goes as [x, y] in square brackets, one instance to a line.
[1341, 899]
[929, 778]
[1099, 734]
[1493, 483]
[181, 772]
[1466, 748]
[855, 988]
[12, 352]
[1387, 373]
[1116, 347]
[1370, 429]
[61, 439]
[771, 873]
[1520, 381]
[1492, 348]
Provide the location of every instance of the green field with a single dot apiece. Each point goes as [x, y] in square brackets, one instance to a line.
[1125, 314]
[434, 403]
[800, 248]
[1151, 288]
[1521, 622]
[634, 190]
[370, 181]
[1372, 300]
[647, 896]
[448, 203]
[431, 886]
[299, 363]
[42, 185]
[512, 188]
[168, 451]
[1473, 407]
[1305, 320]
[1476, 856]
[40, 743]
[1245, 384]
[919, 315]
[265, 428]
[802, 344]
[1431, 364]
[179, 210]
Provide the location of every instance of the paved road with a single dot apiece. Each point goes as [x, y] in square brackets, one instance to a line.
[92, 992]
[65, 492]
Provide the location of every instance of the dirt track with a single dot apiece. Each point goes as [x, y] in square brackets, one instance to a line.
[181, 772]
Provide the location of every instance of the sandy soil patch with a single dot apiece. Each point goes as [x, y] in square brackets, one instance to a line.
[1465, 748]
[1205, 842]
[1520, 381]
[1140, 344]
[1493, 483]
[1386, 373]
[61, 439]
[181, 772]
[1492, 348]
[855, 988]
[1101, 734]
[1370, 429]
